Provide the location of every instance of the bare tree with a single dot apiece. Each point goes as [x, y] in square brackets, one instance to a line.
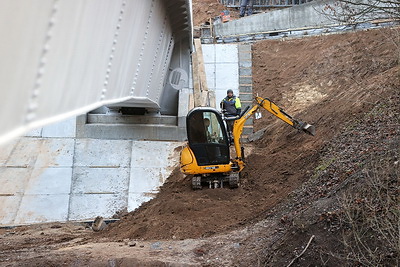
[358, 11]
[353, 11]
[372, 214]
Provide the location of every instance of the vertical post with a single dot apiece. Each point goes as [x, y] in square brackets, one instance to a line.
[202, 96]
[201, 67]
[196, 82]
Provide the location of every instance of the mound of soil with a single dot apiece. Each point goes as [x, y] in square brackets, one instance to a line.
[206, 9]
[326, 81]
[347, 175]
[178, 212]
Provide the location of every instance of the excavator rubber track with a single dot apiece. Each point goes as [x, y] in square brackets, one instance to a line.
[216, 181]
[196, 182]
[234, 180]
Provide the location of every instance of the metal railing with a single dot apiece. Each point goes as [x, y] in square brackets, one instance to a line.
[266, 3]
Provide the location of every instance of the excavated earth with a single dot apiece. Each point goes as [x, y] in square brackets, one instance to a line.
[204, 10]
[332, 82]
[326, 81]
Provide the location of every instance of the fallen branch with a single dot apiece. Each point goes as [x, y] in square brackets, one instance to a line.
[309, 241]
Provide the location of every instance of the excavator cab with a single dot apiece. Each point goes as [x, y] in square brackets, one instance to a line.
[206, 156]
[207, 137]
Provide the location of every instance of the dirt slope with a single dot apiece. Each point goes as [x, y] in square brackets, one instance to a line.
[326, 81]
[343, 84]
[206, 9]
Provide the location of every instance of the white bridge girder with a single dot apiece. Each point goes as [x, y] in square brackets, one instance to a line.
[65, 57]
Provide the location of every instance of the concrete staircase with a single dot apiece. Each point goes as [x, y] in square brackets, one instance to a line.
[132, 127]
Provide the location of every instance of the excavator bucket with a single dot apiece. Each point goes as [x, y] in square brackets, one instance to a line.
[308, 128]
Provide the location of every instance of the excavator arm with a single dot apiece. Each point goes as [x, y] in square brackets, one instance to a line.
[274, 110]
[209, 161]
[281, 114]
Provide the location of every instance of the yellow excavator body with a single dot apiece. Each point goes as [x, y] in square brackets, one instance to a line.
[207, 154]
[189, 165]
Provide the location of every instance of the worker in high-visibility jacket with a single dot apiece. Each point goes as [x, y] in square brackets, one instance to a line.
[231, 107]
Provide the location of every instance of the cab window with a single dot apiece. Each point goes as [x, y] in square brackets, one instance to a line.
[207, 138]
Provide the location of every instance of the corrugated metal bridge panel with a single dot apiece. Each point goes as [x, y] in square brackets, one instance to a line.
[66, 57]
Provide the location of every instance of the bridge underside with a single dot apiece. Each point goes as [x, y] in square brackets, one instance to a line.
[67, 57]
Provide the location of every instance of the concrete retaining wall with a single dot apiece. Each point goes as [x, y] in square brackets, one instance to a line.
[303, 16]
[229, 66]
[53, 176]
[306, 16]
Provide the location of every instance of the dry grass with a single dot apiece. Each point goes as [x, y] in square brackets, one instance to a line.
[371, 214]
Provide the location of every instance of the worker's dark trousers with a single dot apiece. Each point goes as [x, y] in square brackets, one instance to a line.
[229, 126]
[243, 4]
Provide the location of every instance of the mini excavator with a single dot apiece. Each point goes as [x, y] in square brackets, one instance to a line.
[207, 155]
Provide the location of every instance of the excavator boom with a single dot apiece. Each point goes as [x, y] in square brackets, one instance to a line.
[280, 113]
[272, 108]
[207, 155]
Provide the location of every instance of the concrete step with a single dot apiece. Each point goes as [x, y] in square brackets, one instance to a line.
[131, 119]
[132, 132]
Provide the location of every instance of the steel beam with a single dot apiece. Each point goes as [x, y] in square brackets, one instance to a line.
[66, 57]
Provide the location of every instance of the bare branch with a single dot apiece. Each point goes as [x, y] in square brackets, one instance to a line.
[304, 250]
[352, 11]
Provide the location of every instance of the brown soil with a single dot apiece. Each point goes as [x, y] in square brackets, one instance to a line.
[330, 82]
[204, 10]
[325, 81]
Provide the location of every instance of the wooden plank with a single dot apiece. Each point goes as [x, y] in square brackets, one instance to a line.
[191, 101]
[201, 67]
[196, 81]
[204, 99]
[202, 96]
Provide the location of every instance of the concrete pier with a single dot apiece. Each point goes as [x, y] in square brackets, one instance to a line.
[51, 175]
